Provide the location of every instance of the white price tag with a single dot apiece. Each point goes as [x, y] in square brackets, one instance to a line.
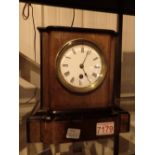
[73, 133]
[104, 128]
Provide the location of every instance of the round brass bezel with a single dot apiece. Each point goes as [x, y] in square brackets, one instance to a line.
[67, 85]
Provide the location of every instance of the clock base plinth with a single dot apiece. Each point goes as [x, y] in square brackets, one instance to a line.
[52, 127]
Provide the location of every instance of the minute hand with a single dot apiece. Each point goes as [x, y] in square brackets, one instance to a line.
[88, 52]
[82, 66]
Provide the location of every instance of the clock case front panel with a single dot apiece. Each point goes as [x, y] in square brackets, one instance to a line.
[53, 95]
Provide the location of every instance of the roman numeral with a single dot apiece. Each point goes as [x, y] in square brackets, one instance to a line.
[67, 73]
[73, 51]
[65, 65]
[80, 83]
[82, 49]
[94, 75]
[67, 57]
[72, 79]
[88, 52]
[95, 58]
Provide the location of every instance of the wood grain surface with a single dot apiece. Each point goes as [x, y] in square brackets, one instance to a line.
[54, 95]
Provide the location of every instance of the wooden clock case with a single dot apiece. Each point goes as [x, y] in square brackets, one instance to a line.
[54, 95]
[61, 109]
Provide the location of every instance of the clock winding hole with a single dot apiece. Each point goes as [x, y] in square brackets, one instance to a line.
[81, 76]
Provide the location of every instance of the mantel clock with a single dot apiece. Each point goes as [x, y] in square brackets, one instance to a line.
[77, 68]
[77, 87]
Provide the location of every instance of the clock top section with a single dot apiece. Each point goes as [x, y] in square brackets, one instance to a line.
[76, 29]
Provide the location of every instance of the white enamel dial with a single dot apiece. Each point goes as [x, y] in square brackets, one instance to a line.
[81, 67]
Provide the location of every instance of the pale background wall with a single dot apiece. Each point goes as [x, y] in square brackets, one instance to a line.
[46, 15]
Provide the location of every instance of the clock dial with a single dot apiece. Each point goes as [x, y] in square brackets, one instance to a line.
[80, 65]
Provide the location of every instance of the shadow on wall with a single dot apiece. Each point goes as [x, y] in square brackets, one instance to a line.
[128, 73]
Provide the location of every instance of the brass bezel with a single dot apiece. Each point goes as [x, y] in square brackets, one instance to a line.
[70, 87]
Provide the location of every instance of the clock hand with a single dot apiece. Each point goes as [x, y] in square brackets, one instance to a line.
[88, 52]
[86, 75]
[82, 66]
